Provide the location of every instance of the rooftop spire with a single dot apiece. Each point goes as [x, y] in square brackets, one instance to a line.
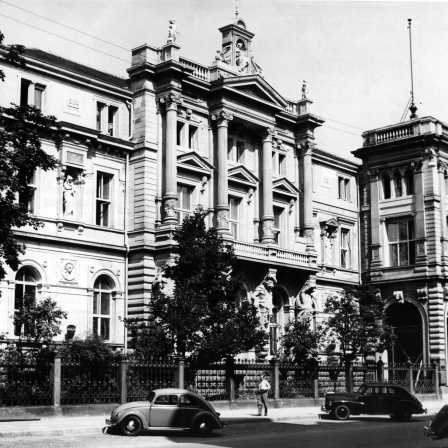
[412, 107]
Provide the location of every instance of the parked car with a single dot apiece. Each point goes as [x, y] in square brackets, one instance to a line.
[169, 409]
[439, 426]
[374, 399]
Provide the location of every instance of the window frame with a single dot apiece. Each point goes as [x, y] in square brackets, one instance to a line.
[234, 223]
[344, 188]
[101, 201]
[395, 259]
[100, 316]
[181, 211]
[345, 251]
[32, 289]
[236, 150]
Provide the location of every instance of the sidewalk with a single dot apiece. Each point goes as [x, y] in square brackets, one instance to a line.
[59, 426]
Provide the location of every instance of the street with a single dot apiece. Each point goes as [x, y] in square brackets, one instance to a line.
[358, 432]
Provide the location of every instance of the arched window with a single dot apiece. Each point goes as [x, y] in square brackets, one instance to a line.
[26, 285]
[386, 186]
[409, 180]
[102, 296]
[397, 184]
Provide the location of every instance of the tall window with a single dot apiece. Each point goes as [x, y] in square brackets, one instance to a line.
[344, 188]
[103, 199]
[278, 163]
[112, 113]
[26, 284]
[409, 180]
[401, 243]
[398, 185]
[345, 248]
[31, 202]
[386, 186]
[99, 116]
[24, 92]
[235, 150]
[185, 199]
[180, 133]
[192, 137]
[234, 216]
[38, 95]
[102, 306]
[278, 225]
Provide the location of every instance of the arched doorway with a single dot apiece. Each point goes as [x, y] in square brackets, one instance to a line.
[407, 322]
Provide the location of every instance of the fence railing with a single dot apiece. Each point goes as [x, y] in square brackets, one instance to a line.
[72, 382]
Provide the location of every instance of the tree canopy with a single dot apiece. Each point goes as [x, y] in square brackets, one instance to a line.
[357, 321]
[21, 131]
[194, 305]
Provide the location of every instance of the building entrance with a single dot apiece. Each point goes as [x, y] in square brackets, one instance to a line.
[407, 323]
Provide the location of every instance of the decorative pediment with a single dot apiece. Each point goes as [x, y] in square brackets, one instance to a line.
[242, 175]
[257, 87]
[192, 161]
[332, 222]
[285, 187]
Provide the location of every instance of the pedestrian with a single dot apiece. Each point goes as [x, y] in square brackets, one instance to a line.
[262, 397]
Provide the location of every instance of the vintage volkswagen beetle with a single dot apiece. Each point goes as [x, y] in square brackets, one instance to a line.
[168, 409]
[374, 399]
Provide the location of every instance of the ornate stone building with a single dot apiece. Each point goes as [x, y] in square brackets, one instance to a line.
[138, 155]
[404, 248]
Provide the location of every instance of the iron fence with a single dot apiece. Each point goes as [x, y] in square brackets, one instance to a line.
[88, 383]
[295, 381]
[247, 375]
[142, 378]
[25, 384]
[209, 381]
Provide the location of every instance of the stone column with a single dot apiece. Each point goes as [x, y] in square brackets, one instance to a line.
[375, 225]
[170, 196]
[222, 119]
[122, 376]
[268, 208]
[308, 222]
[442, 169]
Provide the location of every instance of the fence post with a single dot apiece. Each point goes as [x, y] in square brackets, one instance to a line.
[436, 377]
[410, 376]
[230, 381]
[55, 378]
[380, 371]
[275, 378]
[122, 377]
[315, 379]
[180, 372]
[349, 376]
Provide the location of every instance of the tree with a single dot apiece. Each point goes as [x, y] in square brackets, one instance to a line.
[357, 323]
[194, 306]
[300, 340]
[38, 321]
[22, 128]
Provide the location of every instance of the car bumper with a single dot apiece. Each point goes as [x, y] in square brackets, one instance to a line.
[323, 408]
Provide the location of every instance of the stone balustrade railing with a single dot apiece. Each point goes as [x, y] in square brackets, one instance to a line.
[199, 71]
[271, 254]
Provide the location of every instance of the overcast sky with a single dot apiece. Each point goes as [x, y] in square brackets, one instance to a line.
[355, 55]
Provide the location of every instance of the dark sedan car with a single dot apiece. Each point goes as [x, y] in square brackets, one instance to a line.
[168, 409]
[375, 398]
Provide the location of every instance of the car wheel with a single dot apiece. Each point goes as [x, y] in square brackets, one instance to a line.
[131, 426]
[342, 412]
[203, 427]
[404, 415]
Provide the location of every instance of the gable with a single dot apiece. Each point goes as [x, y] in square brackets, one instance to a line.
[192, 161]
[285, 187]
[240, 174]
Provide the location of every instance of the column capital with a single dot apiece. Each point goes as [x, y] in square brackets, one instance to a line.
[268, 134]
[373, 175]
[417, 166]
[306, 147]
[171, 100]
[442, 166]
[222, 118]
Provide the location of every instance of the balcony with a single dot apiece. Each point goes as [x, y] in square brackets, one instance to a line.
[272, 254]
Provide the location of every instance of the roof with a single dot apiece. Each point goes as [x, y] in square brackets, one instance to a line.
[59, 61]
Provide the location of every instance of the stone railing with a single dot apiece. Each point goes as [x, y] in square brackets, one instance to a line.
[292, 107]
[199, 71]
[272, 254]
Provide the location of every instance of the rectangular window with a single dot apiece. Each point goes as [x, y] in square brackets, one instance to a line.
[24, 92]
[112, 121]
[99, 116]
[282, 165]
[234, 216]
[279, 233]
[192, 137]
[31, 202]
[103, 199]
[240, 147]
[235, 150]
[185, 200]
[345, 249]
[38, 96]
[101, 314]
[344, 188]
[401, 243]
[180, 133]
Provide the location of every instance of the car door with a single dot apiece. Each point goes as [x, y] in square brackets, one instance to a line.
[165, 411]
[390, 398]
[371, 399]
[189, 406]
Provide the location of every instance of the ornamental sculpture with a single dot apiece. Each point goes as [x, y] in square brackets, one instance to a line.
[170, 207]
[172, 31]
[69, 197]
[262, 298]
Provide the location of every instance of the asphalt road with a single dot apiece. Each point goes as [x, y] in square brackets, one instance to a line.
[363, 432]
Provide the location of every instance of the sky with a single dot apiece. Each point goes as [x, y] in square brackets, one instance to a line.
[355, 55]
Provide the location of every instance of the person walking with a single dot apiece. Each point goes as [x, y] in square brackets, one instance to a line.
[262, 398]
